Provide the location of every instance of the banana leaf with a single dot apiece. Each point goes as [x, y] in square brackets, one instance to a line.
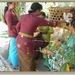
[42, 28]
[45, 56]
[63, 67]
[46, 63]
[50, 31]
[48, 47]
[46, 37]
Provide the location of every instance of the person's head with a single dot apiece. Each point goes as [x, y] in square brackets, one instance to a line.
[42, 15]
[71, 25]
[10, 6]
[35, 8]
[74, 16]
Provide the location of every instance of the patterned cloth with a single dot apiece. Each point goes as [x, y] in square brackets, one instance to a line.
[26, 61]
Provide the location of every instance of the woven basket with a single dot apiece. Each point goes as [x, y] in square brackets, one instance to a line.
[56, 13]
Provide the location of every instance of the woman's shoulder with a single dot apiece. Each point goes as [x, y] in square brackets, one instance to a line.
[29, 16]
[9, 12]
[24, 15]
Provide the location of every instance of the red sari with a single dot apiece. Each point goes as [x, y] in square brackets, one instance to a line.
[25, 42]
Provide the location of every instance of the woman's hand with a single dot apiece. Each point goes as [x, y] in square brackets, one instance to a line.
[61, 21]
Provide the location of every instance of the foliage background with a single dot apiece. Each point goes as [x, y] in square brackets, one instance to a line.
[23, 7]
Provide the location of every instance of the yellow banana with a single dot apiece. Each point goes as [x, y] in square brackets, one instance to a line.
[67, 68]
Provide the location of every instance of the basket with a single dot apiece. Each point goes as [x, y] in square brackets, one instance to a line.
[56, 13]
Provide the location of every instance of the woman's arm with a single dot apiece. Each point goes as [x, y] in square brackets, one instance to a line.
[43, 22]
[9, 21]
[18, 26]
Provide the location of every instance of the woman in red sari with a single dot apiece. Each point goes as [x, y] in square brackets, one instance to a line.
[26, 28]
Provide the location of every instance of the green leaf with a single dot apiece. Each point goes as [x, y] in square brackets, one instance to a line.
[63, 25]
[42, 28]
[46, 63]
[45, 56]
[48, 47]
[63, 67]
[50, 57]
[50, 31]
[18, 10]
[46, 37]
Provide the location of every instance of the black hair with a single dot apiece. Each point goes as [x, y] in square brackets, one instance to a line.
[74, 15]
[6, 8]
[43, 13]
[67, 23]
[35, 6]
[73, 23]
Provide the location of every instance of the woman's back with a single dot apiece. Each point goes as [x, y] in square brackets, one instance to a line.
[28, 23]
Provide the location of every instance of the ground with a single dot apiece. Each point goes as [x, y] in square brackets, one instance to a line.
[4, 40]
[4, 45]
